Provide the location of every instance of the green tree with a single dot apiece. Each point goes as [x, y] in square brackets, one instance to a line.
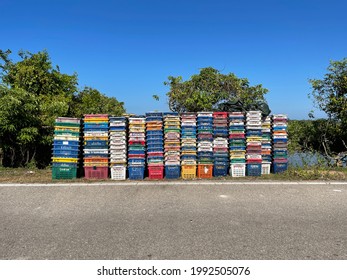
[211, 90]
[91, 101]
[330, 93]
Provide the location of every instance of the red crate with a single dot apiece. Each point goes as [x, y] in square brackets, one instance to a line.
[95, 172]
[220, 114]
[156, 172]
[205, 171]
[96, 116]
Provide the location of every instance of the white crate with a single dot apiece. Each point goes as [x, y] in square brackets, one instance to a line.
[265, 168]
[118, 172]
[238, 170]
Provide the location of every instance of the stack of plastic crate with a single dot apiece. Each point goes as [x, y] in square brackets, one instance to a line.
[96, 146]
[172, 145]
[66, 144]
[253, 139]
[205, 144]
[237, 144]
[280, 143]
[188, 145]
[155, 145]
[137, 147]
[118, 147]
[220, 143]
[266, 145]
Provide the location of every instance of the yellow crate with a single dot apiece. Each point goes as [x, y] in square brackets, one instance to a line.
[70, 160]
[96, 120]
[188, 172]
[105, 138]
[64, 128]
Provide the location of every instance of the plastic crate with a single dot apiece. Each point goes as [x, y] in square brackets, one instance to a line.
[62, 172]
[220, 170]
[136, 172]
[188, 171]
[118, 172]
[172, 172]
[265, 168]
[156, 172]
[96, 172]
[280, 167]
[205, 171]
[253, 169]
[238, 170]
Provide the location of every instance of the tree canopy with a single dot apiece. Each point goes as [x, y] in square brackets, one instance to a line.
[211, 90]
[33, 94]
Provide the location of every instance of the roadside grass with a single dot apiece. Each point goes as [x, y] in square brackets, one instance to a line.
[32, 175]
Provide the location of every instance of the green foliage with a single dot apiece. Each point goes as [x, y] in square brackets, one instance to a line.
[33, 94]
[330, 93]
[91, 101]
[209, 90]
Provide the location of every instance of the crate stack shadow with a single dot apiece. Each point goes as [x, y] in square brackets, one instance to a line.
[66, 148]
[172, 145]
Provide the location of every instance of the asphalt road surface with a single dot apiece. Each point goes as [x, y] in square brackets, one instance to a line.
[177, 221]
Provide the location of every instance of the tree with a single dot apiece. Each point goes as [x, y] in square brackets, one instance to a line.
[330, 93]
[91, 101]
[210, 90]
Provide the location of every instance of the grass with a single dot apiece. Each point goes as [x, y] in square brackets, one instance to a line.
[27, 175]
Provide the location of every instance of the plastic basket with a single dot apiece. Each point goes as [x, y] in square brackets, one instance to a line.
[238, 170]
[136, 172]
[253, 169]
[265, 168]
[280, 167]
[96, 172]
[188, 171]
[172, 172]
[220, 170]
[118, 172]
[156, 172]
[205, 171]
[61, 172]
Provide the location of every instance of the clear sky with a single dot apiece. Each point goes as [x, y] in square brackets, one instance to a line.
[128, 48]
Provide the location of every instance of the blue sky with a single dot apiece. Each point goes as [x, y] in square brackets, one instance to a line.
[127, 49]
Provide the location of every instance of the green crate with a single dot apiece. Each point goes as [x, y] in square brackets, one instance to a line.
[67, 124]
[64, 172]
[67, 133]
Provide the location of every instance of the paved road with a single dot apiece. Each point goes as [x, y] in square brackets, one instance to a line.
[181, 221]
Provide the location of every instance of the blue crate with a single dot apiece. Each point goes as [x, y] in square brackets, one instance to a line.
[64, 164]
[66, 143]
[117, 119]
[95, 126]
[154, 114]
[280, 167]
[136, 152]
[136, 172]
[65, 153]
[174, 114]
[253, 169]
[154, 133]
[117, 128]
[172, 171]
[220, 170]
[101, 130]
[95, 155]
[65, 147]
[281, 140]
[96, 143]
[136, 160]
[154, 142]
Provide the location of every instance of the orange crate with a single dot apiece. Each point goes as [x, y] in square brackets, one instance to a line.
[96, 159]
[188, 171]
[205, 171]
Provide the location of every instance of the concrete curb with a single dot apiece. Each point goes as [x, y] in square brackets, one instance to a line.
[174, 183]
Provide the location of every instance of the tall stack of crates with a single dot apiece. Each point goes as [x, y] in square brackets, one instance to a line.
[188, 145]
[118, 147]
[66, 145]
[237, 144]
[172, 145]
[137, 147]
[280, 143]
[155, 145]
[220, 144]
[205, 144]
[96, 146]
[253, 138]
[266, 145]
